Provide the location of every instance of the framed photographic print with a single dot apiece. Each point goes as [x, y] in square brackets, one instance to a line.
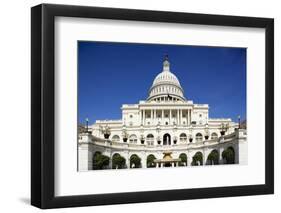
[140, 106]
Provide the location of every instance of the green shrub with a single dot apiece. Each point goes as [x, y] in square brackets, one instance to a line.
[198, 157]
[183, 158]
[136, 161]
[118, 162]
[228, 155]
[213, 157]
[100, 161]
[150, 161]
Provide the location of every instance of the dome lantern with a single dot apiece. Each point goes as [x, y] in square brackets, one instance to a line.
[166, 64]
[166, 86]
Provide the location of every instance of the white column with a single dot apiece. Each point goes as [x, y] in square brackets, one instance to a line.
[142, 117]
[154, 116]
[189, 159]
[128, 163]
[170, 118]
[162, 121]
[221, 149]
[204, 156]
[143, 160]
[182, 112]
[151, 117]
[178, 117]
[241, 149]
[188, 117]
[154, 112]
[85, 158]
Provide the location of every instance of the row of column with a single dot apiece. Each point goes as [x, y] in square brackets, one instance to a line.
[162, 164]
[87, 156]
[153, 116]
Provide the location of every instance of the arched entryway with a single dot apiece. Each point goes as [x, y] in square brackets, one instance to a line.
[167, 139]
[150, 161]
[213, 158]
[118, 162]
[135, 161]
[228, 155]
[183, 158]
[197, 159]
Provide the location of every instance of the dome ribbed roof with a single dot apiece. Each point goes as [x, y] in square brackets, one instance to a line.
[166, 84]
[166, 77]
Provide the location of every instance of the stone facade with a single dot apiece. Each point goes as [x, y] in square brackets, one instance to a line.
[165, 121]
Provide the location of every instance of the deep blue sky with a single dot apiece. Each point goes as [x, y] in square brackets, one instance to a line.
[111, 74]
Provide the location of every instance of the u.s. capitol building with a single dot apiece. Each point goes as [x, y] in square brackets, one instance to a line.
[165, 130]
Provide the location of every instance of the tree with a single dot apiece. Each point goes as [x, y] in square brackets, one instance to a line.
[150, 161]
[213, 158]
[183, 158]
[135, 161]
[229, 155]
[100, 161]
[198, 157]
[81, 128]
[118, 162]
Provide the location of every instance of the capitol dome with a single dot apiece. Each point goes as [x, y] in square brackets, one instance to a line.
[166, 86]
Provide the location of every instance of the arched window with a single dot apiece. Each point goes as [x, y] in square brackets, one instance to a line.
[199, 137]
[183, 138]
[167, 139]
[150, 139]
[214, 136]
[133, 139]
[115, 138]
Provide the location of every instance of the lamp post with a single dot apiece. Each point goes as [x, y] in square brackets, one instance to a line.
[106, 132]
[207, 132]
[87, 125]
[190, 138]
[224, 128]
[125, 135]
[142, 139]
[175, 139]
[239, 123]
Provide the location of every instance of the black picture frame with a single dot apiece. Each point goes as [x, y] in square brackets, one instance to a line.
[43, 102]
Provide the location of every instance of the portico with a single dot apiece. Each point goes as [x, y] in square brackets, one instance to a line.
[167, 160]
[165, 116]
